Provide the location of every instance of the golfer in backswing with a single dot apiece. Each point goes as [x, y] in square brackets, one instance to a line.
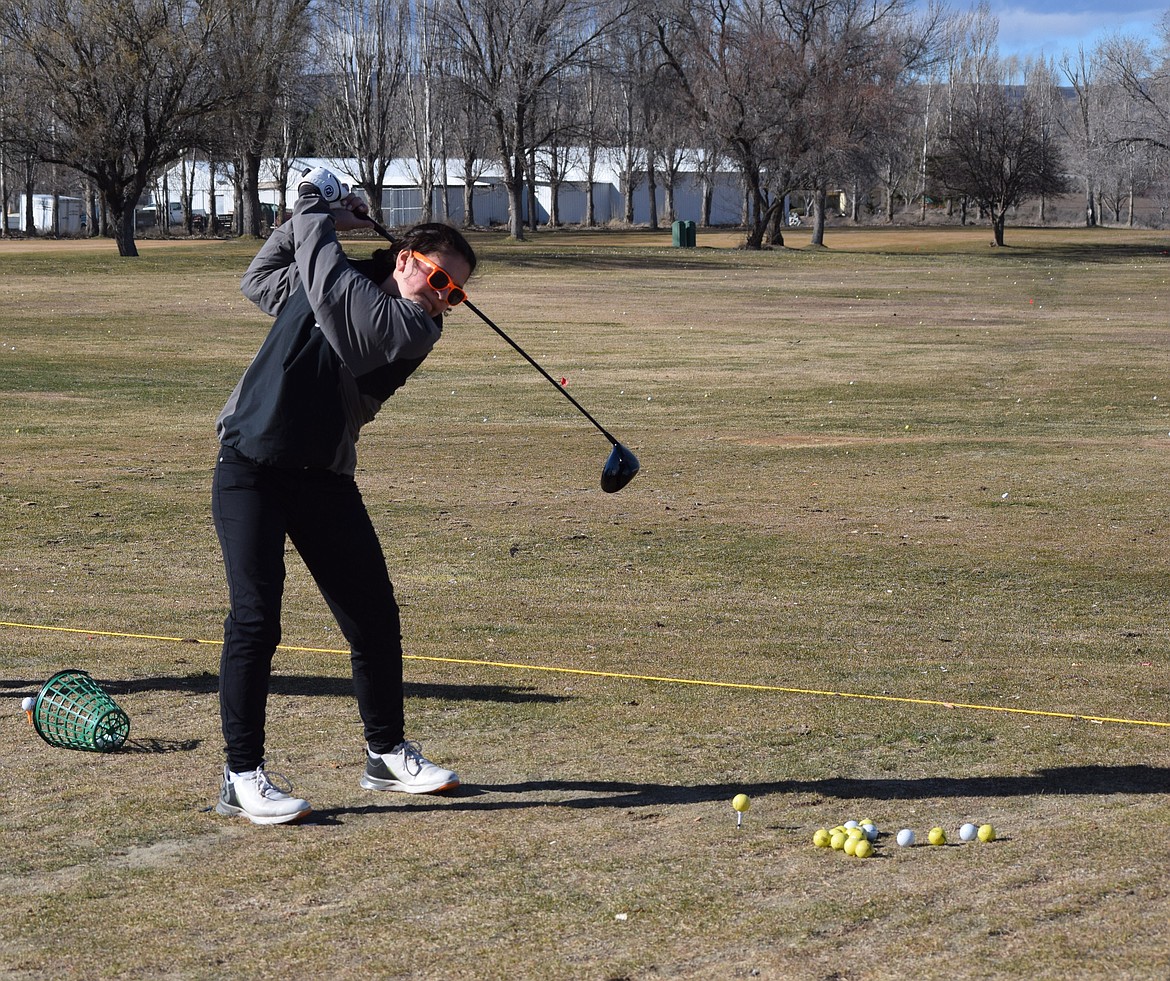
[347, 335]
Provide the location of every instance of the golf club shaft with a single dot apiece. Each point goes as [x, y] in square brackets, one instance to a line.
[519, 350]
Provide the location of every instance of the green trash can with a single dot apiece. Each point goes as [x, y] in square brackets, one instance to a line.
[682, 234]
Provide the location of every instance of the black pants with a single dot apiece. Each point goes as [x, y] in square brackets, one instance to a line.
[255, 507]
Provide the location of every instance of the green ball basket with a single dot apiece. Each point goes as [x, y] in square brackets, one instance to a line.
[74, 713]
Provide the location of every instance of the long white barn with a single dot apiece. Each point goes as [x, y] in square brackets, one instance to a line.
[402, 194]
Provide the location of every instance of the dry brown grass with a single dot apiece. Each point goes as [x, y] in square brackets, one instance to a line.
[908, 466]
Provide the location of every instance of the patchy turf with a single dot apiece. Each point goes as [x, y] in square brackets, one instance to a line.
[881, 482]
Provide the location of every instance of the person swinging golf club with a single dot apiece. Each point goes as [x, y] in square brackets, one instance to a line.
[346, 335]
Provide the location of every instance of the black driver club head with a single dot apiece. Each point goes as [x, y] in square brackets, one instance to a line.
[621, 467]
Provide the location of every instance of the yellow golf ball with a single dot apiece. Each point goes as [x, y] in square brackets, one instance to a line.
[855, 833]
[864, 849]
[822, 838]
[851, 845]
[741, 802]
[937, 836]
[986, 832]
[837, 842]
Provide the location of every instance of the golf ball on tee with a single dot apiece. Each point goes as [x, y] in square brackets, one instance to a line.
[741, 802]
[28, 704]
[968, 831]
[905, 837]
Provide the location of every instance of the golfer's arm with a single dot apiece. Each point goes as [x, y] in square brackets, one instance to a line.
[366, 326]
[272, 277]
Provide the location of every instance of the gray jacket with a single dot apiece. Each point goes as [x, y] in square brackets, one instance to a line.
[340, 346]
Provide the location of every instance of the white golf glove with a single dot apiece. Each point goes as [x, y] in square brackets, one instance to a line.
[324, 184]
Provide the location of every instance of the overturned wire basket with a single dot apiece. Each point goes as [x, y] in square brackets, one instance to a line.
[73, 712]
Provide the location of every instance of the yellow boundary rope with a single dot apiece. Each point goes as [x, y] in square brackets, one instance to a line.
[741, 686]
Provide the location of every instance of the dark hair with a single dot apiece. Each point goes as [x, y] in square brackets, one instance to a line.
[429, 237]
[433, 236]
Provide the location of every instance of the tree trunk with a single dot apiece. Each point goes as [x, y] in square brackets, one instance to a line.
[530, 180]
[468, 192]
[212, 211]
[652, 190]
[124, 229]
[93, 221]
[818, 235]
[554, 202]
[249, 223]
[590, 172]
[30, 221]
[4, 232]
[998, 220]
[776, 227]
[515, 188]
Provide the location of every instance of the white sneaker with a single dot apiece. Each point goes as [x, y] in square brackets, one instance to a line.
[405, 768]
[253, 795]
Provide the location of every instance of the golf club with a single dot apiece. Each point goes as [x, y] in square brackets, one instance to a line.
[621, 466]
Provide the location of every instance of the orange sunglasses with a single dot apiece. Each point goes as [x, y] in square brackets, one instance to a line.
[439, 279]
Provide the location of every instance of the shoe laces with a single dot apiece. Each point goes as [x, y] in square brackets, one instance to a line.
[412, 757]
[268, 787]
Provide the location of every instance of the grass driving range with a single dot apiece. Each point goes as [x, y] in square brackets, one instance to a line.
[908, 466]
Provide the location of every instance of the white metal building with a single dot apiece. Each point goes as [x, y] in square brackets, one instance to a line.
[401, 192]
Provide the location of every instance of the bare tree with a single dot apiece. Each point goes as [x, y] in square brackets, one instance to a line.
[559, 110]
[469, 133]
[1082, 125]
[1041, 81]
[732, 65]
[364, 45]
[514, 49]
[998, 153]
[425, 46]
[261, 49]
[789, 87]
[1143, 72]
[128, 85]
[19, 127]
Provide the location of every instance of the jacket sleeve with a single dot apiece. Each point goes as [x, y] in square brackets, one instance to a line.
[364, 325]
[272, 277]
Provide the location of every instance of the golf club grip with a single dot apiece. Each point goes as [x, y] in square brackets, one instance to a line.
[518, 349]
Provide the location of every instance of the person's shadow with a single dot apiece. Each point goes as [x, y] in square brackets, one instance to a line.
[589, 794]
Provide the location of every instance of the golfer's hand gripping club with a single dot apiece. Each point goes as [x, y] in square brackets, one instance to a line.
[324, 184]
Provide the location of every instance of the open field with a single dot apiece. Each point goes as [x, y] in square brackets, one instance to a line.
[908, 466]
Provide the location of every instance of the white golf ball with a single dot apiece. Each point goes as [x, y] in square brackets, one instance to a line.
[850, 824]
[968, 832]
[905, 837]
[871, 831]
[28, 704]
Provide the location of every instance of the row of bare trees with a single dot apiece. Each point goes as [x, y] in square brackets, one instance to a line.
[879, 96]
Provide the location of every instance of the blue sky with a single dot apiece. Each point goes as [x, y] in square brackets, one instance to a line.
[1052, 27]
